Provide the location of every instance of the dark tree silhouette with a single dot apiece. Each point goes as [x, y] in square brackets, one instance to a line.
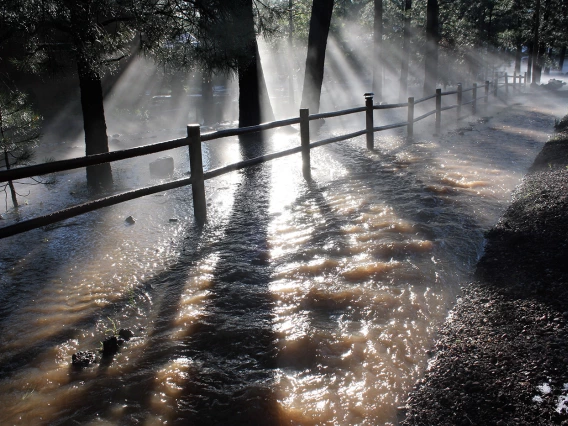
[254, 104]
[320, 22]
[405, 51]
[431, 48]
[377, 46]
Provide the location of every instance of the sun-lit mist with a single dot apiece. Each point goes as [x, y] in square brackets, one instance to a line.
[353, 269]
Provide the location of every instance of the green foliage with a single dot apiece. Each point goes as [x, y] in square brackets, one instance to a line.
[210, 34]
[19, 132]
[113, 330]
[19, 127]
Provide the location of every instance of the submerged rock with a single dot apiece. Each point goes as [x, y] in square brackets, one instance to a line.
[111, 345]
[125, 333]
[83, 359]
[163, 166]
[553, 84]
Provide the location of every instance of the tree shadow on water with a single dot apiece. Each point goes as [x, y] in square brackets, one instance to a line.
[233, 346]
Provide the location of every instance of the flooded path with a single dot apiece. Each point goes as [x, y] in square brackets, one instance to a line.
[298, 303]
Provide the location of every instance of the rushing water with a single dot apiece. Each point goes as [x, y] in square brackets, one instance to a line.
[298, 303]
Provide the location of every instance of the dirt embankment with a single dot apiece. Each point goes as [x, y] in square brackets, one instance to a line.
[502, 356]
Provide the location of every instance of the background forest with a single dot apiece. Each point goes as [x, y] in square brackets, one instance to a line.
[200, 46]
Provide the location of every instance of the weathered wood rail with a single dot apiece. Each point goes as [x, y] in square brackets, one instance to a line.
[194, 139]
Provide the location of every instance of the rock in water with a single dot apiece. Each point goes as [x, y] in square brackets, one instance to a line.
[83, 359]
[125, 333]
[110, 346]
[130, 220]
[163, 166]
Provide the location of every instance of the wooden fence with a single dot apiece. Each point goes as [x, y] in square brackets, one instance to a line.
[194, 139]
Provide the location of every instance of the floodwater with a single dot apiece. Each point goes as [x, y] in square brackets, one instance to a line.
[297, 303]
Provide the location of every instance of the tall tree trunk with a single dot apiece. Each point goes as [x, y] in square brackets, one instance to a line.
[561, 59]
[320, 22]
[96, 139]
[377, 44]
[10, 183]
[405, 51]
[253, 95]
[549, 55]
[431, 53]
[292, 58]
[518, 38]
[207, 101]
[529, 62]
[535, 44]
[518, 52]
[546, 39]
[537, 72]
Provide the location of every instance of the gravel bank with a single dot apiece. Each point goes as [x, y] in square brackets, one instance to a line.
[501, 358]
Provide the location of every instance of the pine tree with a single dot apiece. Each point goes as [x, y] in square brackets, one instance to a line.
[87, 37]
[19, 132]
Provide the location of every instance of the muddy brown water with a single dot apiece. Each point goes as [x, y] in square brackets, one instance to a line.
[311, 303]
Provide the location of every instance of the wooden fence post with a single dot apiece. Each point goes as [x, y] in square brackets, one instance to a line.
[506, 84]
[438, 110]
[369, 120]
[486, 91]
[196, 168]
[495, 85]
[460, 101]
[526, 75]
[474, 96]
[305, 140]
[515, 81]
[410, 126]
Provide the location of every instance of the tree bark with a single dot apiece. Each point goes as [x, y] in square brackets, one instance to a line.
[518, 53]
[405, 52]
[545, 39]
[320, 22]
[207, 101]
[519, 41]
[292, 57]
[431, 53]
[561, 59]
[254, 104]
[94, 123]
[377, 44]
[535, 44]
[529, 62]
[10, 183]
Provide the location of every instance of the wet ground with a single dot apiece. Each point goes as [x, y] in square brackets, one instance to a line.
[299, 302]
[500, 358]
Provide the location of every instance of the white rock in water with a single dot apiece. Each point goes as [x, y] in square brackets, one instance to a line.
[162, 166]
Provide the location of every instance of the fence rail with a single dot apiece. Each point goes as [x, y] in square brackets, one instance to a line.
[194, 140]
